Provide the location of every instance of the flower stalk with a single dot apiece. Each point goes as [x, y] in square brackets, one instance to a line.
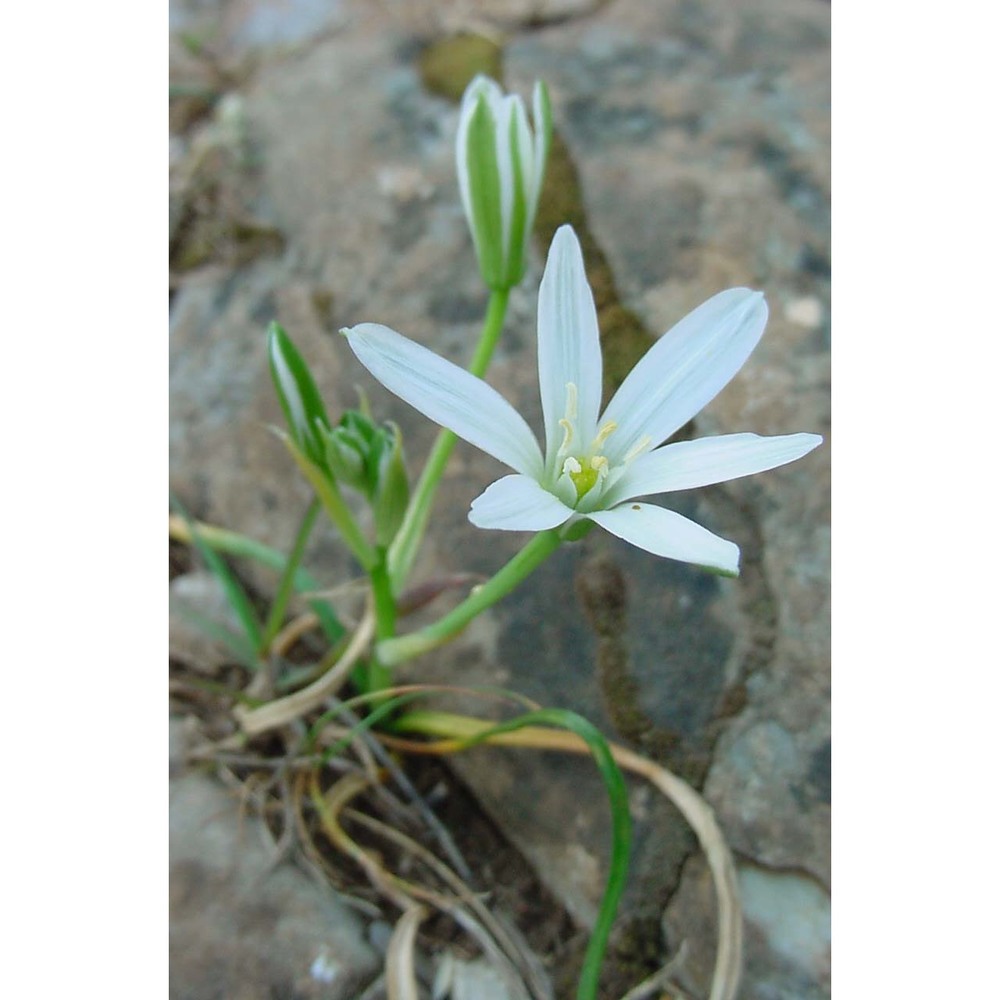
[335, 507]
[391, 652]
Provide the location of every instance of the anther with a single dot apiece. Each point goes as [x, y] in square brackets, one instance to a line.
[603, 434]
[571, 398]
[566, 423]
[637, 449]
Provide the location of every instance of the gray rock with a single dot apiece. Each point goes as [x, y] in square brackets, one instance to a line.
[198, 608]
[787, 932]
[243, 927]
[255, 27]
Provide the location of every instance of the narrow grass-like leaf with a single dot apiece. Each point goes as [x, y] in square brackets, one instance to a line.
[236, 643]
[621, 827]
[234, 544]
[237, 597]
[298, 395]
[383, 710]
[621, 822]
[286, 585]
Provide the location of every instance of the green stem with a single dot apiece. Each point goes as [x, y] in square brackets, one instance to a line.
[492, 325]
[287, 582]
[541, 546]
[338, 511]
[379, 675]
[403, 550]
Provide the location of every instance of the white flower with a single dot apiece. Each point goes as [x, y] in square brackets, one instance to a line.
[595, 465]
[501, 164]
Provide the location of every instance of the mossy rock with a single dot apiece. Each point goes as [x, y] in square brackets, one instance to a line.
[447, 66]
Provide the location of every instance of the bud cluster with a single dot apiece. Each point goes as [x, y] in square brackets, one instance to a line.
[355, 453]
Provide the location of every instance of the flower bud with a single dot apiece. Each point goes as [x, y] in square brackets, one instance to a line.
[346, 459]
[369, 459]
[298, 395]
[501, 165]
[392, 493]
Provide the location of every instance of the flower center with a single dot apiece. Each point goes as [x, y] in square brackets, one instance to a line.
[588, 468]
[585, 477]
[585, 470]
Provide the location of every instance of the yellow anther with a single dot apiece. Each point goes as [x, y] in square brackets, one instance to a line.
[603, 434]
[637, 449]
[598, 463]
[567, 421]
[567, 435]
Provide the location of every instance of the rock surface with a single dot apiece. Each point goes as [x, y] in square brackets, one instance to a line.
[696, 145]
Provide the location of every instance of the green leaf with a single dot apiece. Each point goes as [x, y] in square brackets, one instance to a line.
[286, 585]
[297, 393]
[237, 597]
[621, 829]
[237, 644]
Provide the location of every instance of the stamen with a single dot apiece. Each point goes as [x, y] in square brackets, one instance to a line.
[571, 398]
[571, 467]
[603, 434]
[567, 436]
[637, 449]
[566, 423]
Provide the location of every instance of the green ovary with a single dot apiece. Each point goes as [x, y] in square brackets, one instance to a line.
[584, 481]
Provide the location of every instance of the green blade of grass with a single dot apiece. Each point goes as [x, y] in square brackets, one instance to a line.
[621, 827]
[234, 544]
[470, 731]
[237, 597]
[236, 643]
[286, 585]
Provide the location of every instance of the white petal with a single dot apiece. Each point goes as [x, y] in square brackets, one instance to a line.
[685, 369]
[503, 113]
[569, 348]
[689, 464]
[667, 533]
[448, 395]
[518, 503]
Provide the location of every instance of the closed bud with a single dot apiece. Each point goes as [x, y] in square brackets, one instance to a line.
[345, 458]
[501, 165]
